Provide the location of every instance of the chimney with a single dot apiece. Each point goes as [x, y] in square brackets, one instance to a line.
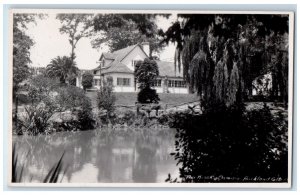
[146, 48]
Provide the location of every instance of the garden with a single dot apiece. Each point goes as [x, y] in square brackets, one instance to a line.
[230, 135]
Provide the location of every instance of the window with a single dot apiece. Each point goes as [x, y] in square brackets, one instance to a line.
[157, 83]
[171, 83]
[123, 81]
[176, 83]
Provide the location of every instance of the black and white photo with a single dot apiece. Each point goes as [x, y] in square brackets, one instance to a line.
[151, 98]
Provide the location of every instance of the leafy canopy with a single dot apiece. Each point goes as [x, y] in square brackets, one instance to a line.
[62, 68]
[122, 30]
[87, 80]
[145, 73]
[76, 26]
[222, 54]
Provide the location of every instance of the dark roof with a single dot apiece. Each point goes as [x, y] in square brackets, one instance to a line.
[119, 54]
[168, 69]
[116, 67]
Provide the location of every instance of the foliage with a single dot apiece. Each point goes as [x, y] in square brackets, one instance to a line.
[55, 171]
[106, 99]
[16, 175]
[87, 80]
[122, 30]
[148, 95]
[76, 26]
[145, 73]
[85, 116]
[238, 146]
[40, 87]
[70, 98]
[35, 120]
[21, 47]
[209, 50]
[52, 176]
[21, 54]
[63, 68]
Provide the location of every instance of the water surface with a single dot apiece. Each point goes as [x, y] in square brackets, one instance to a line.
[93, 157]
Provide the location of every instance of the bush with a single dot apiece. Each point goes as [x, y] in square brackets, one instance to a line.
[87, 80]
[105, 101]
[230, 145]
[74, 99]
[127, 116]
[36, 120]
[148, 95]
[85, 116]
[69, 97]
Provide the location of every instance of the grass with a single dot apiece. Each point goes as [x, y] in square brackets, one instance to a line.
[129, 98]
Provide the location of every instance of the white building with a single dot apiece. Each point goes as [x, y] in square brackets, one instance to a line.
[120, 64]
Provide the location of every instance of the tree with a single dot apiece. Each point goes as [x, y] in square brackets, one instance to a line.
[122, 30]
[106, 99]
[21, 54]
[76, 26]
[222, 54]
[62, 68]
[145, 73]
[41, 108]
[87, 80]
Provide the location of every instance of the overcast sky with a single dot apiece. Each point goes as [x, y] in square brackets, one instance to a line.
[50, 43]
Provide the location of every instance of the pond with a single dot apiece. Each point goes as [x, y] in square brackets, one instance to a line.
[93, 157]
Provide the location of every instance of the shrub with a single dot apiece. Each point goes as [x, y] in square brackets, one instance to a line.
[148, 95]
[87, 80]
[73, 98]
[229, 145]
[69, 97]
[124, 116]
[105, 101]
[85, 116]
[35, 120]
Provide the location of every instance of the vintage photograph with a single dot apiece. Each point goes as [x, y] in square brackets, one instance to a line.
[148, 98]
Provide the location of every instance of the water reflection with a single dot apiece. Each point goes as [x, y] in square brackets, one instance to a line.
[139, 157]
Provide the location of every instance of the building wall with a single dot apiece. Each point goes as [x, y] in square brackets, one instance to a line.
[118, 88]
[177, 90]
[164, 88]
[136, 54]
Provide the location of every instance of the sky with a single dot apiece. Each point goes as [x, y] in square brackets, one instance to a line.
[50, 43]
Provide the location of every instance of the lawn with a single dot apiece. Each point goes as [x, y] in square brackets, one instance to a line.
[129, 99]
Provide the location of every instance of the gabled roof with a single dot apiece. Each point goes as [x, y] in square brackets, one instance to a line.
[116, 66]
[119, 54]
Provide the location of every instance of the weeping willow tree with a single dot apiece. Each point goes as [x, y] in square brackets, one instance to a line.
[221, 55]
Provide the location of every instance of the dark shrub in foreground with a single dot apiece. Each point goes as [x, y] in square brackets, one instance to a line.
[85, 116]
[231, 145]
[148, 95]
